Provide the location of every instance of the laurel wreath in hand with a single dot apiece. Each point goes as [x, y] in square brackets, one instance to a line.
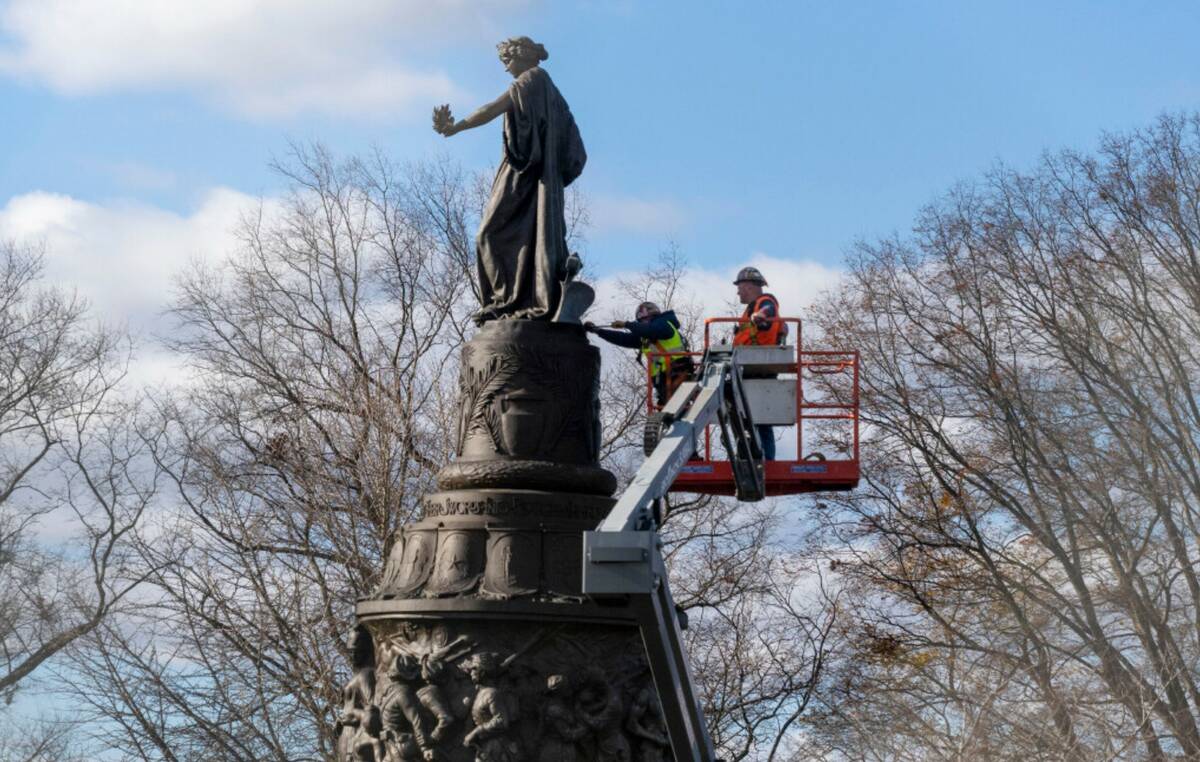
[442, 120]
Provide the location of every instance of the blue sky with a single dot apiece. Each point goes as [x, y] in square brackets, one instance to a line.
[738, 130]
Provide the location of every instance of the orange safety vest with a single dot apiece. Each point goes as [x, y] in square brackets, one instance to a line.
[749, 333]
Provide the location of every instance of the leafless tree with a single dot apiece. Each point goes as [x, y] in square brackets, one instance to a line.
[322, 359]
[1022, 557]
[71, 492]
[42, 740]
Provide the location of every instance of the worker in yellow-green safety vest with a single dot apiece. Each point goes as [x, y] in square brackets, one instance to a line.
[655, 334]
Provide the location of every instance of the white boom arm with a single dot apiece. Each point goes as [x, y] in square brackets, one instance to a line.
[623, 557]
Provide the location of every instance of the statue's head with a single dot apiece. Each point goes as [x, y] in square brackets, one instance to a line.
[519, 54]
[484, 667]
[362, 649]
[406, 668]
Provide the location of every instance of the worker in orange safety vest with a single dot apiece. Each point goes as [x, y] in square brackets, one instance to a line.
[760, 325]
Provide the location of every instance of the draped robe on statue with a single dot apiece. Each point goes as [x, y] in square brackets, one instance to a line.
[522, 245]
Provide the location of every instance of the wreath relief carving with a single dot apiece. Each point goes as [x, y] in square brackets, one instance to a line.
[529, 401]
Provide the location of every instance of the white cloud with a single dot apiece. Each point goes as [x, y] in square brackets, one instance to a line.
[261, 58]
[629, 214]
[122, 256]
[795, 282]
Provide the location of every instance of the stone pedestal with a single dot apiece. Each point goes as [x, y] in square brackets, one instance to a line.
[481, 644]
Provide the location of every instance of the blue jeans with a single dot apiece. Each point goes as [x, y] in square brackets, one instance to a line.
[766, 440]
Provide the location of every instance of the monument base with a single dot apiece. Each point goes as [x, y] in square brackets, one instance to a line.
[478, 644]
[544, 682]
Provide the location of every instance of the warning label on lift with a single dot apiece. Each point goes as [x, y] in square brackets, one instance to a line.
[697, 470]
[806, 469]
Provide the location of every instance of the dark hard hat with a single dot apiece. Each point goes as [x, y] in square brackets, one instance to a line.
[647, 308]
[750, 274]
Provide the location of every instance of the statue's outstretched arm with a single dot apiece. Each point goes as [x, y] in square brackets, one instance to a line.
[444, 123]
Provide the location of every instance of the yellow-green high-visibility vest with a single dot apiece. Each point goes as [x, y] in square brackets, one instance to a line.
[661, 362]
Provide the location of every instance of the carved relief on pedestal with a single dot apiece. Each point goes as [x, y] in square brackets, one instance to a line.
[495, 504]
[440, 695]
[359, 723]
[529, 411]
[493, 544]
[484, 562]
[410, 563]
[529, 391]
[458, 565]
[513, 563]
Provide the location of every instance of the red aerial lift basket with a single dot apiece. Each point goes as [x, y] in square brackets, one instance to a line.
[825, 431]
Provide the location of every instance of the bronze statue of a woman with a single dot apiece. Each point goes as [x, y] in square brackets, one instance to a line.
[522, 247]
